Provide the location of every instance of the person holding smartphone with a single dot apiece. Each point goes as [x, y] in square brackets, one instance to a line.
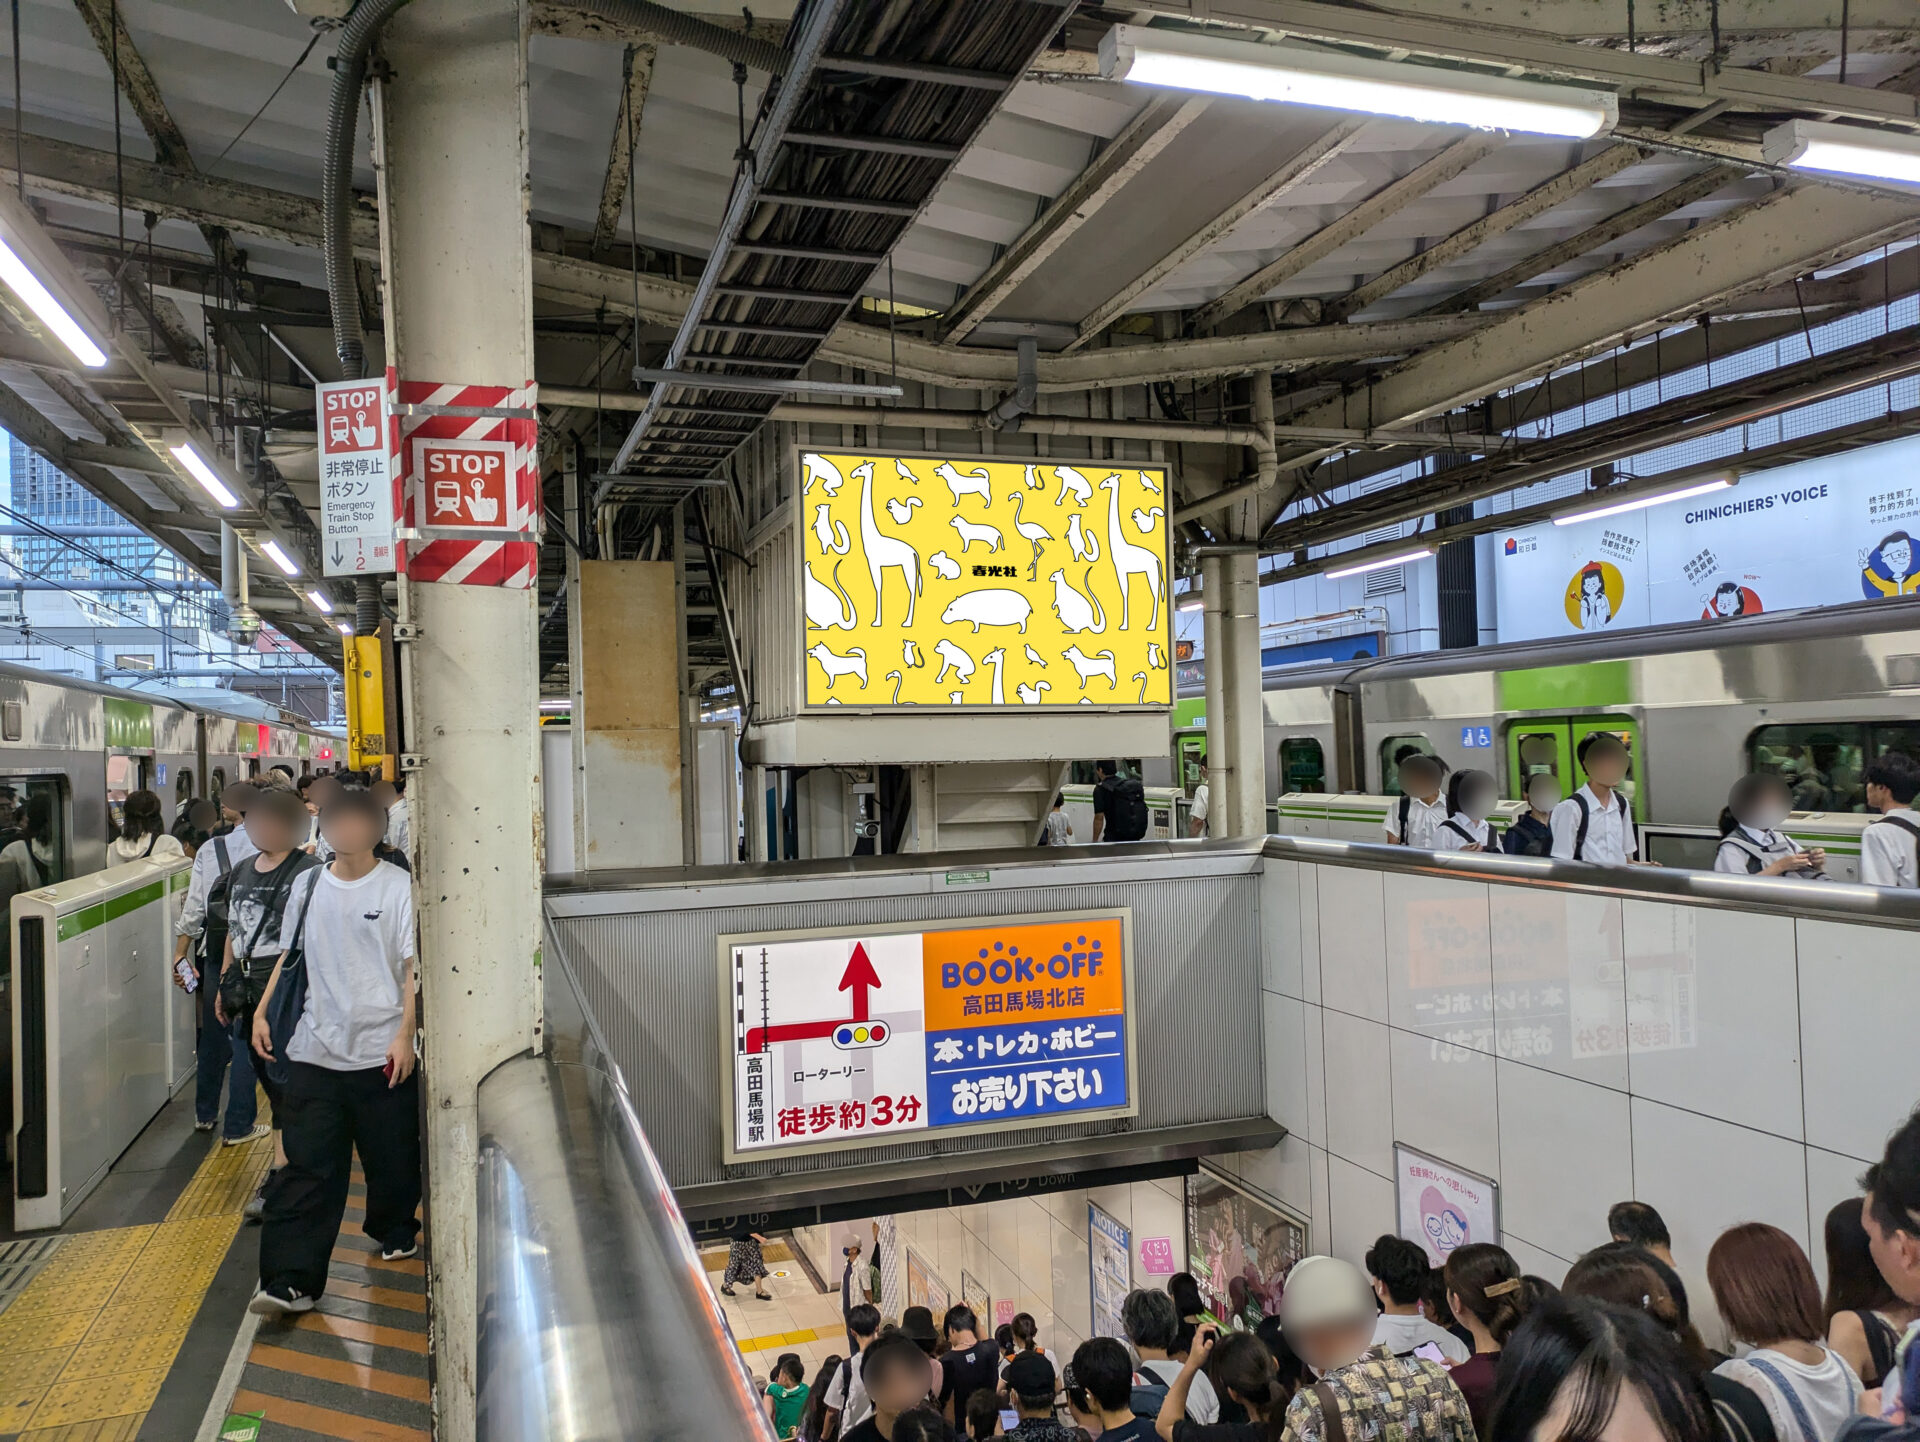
[350, 1062]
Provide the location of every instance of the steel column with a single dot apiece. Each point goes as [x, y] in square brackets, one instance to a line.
[455, 165]
[1213, 640]
[1246, 783]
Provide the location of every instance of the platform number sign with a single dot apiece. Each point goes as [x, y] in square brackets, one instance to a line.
[843, 1038]
[356, 487]
[1476, 738]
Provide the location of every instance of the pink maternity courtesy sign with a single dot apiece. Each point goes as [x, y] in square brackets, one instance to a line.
[1441, 1206]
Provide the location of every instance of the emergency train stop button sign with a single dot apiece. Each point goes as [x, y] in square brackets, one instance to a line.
[464, 482]
[356, 487]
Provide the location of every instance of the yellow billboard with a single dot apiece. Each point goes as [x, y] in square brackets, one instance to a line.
[963, 581]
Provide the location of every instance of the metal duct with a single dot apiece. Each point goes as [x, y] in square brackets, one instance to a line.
[671, 27]
[1026, 389]
[366, 605]
[336, 192]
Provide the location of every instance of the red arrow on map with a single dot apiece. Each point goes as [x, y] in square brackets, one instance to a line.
[859, 978]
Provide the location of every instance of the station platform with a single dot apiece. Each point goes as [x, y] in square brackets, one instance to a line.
[130, 1323]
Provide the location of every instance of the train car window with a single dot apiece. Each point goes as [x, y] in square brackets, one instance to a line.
[123, 776]
[33, 833]
[183, 786]
[1824, 762]
[1885, 736]
[1538, 752]
[219, 782]
[1391, 750]
[1303, 766]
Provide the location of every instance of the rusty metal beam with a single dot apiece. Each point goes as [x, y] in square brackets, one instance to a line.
[626, 130]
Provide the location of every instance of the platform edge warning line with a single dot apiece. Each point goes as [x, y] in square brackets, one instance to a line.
[325, 1421]
[221, 1403]
[346, 1373]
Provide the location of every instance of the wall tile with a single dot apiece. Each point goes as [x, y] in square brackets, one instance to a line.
[1072, 1278]
[1314, 1124]
[1566, 1154]
[1280, 926]
[1309, 902]
[1283, 1172]
[1320, 1220]
[1559, 982]
[1713, 1015]
[1437, 957]
[1353, 969]
[1361, 1208]
[1862, 1071]
[1536, 1261]
[1443, 1102]
[1831, 1178]
[1286, 1059]
[1359, 1091]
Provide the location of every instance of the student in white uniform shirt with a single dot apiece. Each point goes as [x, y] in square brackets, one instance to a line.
[1400, 1269]
[1421, 809]
[1888, 846]
[1202, 803]
[1470, 799]
[1751, 842]
[1595, 824]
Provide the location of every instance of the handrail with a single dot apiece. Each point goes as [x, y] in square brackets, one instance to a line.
[596, 1320]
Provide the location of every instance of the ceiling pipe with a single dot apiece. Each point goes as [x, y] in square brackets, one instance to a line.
[672, 27]
[1026, 389]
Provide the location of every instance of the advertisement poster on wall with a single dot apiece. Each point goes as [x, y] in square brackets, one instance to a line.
[1239, 1248]
[1441, 1206]
[1110, 1266]
[1819, 533]
[925, 1289]
[962, 582]
[975, 1294]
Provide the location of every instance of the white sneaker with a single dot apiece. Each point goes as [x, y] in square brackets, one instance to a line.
[400, 1254]
[279, 1300]
[260, 1129]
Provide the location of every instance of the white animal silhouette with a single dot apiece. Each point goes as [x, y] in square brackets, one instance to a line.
[1155, 658]
[1085, 548]
[820, 469]
[1084, 701]
[1148, 484]
[1033, 479]
[1030, 695]
[1077, 613]
[945, 565]
[996, 658]
[1128, 559]
[905, 472]
[898, 680]
[1100, 663]
[910, 655]
[1036, 534]
[1141, 677]
[1144, 520]
[956, 697]
[965, 483]
[994, 606]
[1037, 659]
[953, 659]
[971, 532]
[902, 511]
[824, 608]
[854, 663]
[1072, 483]
[884, 553]
[833, 701]
[828, 531]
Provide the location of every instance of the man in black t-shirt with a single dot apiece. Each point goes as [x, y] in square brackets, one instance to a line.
[969, 1363]
[894, 1371]
[1119, 804]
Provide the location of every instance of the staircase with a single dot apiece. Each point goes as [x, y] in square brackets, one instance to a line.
[989, 804]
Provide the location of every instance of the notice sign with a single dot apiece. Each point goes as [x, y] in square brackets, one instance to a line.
[964, 581]
[843, 1038]
[1441, 1206]
[356, 492]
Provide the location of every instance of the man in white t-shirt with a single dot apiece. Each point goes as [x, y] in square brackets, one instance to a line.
[1421, 810]
[393, 796]
[847, 1393]
[1890, 847]
[350, 1083]
[1202, 803]
[1152, 1324]
[1595, 824]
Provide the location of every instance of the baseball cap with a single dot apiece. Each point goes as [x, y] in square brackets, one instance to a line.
[1325, 1291]
[1030, 1375]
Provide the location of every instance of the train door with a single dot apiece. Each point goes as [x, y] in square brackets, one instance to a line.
[1551, 744]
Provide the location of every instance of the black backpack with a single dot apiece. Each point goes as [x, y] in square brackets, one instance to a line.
[1586, 820]
[1126, 808]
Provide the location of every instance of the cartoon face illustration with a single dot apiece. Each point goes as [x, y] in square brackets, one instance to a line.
[1445, 1226]
[1897, 552]
[1592, 583]
[1727, 600]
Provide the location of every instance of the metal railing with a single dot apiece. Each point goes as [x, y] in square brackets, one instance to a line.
[596, 1320]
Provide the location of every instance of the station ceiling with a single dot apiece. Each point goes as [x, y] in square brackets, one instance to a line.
[1392, 274]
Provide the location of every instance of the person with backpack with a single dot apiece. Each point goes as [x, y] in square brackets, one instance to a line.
[1751, 842]
[1152, 1325]
[1470, 800]
[1888, 846]
[1421, 810]
[847, 1403]
[1532, 833]
[1595, 824]
[142, 837]
[202, 938]
[1119, 804]
[1247, 1371]
[345, 1037]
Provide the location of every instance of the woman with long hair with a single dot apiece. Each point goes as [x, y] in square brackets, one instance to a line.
[1489, 1297]
[1865, 1319]
[1581, 1369]
[1764, 1287]
[1751, 841]
[142, 836]
[1243, 1371]
[813, 1419]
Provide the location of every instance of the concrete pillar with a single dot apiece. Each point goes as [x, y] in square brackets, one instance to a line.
[1246, 711]
[459, 308]
[1213, 640]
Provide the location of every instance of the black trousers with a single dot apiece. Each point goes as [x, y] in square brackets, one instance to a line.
[325, 1117]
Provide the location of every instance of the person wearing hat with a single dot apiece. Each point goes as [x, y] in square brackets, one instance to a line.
[1328, 1313]
[1030, 1388]
[917, 1324]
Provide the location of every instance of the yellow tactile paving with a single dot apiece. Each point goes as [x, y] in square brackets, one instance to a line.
[84, 1348]
[777, 1339]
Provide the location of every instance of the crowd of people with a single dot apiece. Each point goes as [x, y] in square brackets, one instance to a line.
[296, 938]
[1406, 1352]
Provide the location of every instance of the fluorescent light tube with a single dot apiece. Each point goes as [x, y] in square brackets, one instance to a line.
[556, 704]
[25, 284]
[345, 629]
[319, 599]
[1843, 150]
[1297, 76]
[190, 461]
[271, 550]
[1190, 601]
[1419, 554]
[1640, 503]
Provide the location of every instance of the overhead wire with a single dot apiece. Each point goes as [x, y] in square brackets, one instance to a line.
[291, 71]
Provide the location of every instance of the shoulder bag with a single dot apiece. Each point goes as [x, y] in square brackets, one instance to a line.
[289, 1000]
